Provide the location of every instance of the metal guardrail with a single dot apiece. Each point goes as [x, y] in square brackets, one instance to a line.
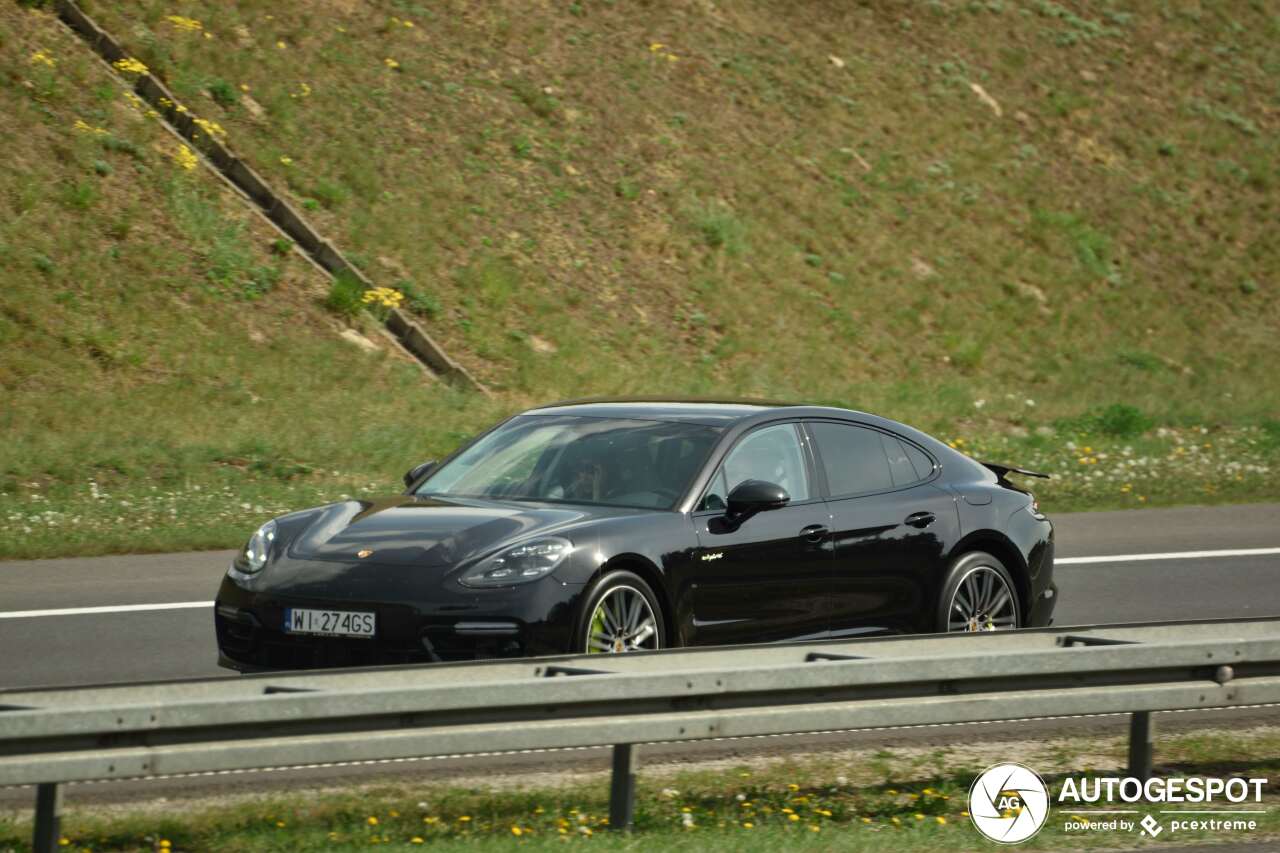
[49, 737]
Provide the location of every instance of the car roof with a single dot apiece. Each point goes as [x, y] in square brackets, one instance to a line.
[713, 412]
[725, 413]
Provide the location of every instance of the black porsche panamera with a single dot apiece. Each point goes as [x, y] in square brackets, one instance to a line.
[614, 526]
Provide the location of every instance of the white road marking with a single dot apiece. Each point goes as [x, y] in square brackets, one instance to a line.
[1175, 555]
[117, 608]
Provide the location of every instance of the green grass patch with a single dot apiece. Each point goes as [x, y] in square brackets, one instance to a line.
[905, 799]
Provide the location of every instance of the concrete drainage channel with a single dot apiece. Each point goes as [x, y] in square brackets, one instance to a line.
[410, 335]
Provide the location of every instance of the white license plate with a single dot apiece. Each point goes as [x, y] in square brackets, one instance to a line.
[329, 623]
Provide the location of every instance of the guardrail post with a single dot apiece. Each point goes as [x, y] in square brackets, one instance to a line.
[1140, 747]
[622, 787]
[48, 806]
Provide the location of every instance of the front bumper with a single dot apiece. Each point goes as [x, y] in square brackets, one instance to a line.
[1042, 608]
[446, 625]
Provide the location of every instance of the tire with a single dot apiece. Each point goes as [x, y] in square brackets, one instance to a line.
[611, 598]
[978, 578]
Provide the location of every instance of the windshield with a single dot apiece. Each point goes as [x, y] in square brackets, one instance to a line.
[606, 461]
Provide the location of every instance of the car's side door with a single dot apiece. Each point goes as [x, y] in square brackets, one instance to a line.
[891, 529]
[766, 578]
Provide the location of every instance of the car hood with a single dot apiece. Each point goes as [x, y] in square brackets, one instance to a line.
[414, 531]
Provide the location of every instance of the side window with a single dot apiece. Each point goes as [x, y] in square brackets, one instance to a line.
[772, 454]
[854, 459]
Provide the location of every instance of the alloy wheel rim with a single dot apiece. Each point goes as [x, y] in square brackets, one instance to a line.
[622, 622]
[982, 601]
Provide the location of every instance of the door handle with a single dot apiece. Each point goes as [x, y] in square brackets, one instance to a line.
[920, 519]
[814, 532]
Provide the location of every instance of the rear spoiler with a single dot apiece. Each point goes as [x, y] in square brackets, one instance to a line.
[1002, 470]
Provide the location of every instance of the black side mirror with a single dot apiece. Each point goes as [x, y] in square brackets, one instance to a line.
[417, 472]
[752, 496]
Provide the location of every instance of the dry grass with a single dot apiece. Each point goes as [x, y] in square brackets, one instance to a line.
[700, 216]
[807, 200]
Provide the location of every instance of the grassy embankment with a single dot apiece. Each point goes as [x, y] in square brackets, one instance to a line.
[1044, 229]
[909, 799]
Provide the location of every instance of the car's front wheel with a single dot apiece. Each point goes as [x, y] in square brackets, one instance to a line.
[978, 595]
[622, 615]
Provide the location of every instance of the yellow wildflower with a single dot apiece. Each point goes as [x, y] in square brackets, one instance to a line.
[371, 820]
[391, 63]
[793, 787]
[515, 830]
[185, 157]
[866, 820]
[210, 127]
[747, 825]
[465, 818]
[281, 45]
[40, 57]
[244, 87]
[286, 160]
[656, 46]
[409, 24]
[280, 824]
[793, 816]
[130, 65]
[919, 816]
[415, 840]
[84, 127]
[387, 297]
[813, 827]
[942, 821]
[190, 24]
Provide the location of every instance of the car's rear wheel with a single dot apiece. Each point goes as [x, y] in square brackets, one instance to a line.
[622, 615]
[979, 595]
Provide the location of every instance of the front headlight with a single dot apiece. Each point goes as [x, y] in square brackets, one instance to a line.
[255, 553]
[519, 564]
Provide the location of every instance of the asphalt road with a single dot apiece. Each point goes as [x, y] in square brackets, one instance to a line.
[87, 648]
[1113, 567]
